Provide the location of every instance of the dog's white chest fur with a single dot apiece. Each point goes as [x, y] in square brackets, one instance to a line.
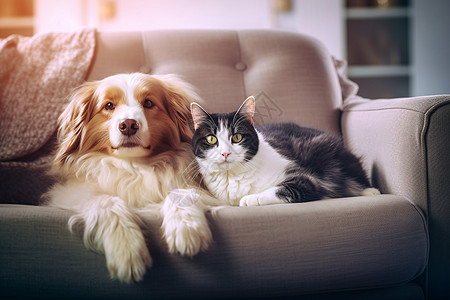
[137, 184]
[134, 182]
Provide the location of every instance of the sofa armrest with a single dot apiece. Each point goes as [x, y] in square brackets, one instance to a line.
[405, 146]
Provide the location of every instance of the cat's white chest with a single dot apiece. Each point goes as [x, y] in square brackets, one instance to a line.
[266, 170]
[230, 187]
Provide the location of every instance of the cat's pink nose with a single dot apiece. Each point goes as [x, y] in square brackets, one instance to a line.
[225, 154]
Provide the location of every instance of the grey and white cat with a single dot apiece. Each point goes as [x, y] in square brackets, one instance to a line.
[274, 163]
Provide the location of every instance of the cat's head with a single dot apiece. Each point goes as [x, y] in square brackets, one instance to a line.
[224, 141]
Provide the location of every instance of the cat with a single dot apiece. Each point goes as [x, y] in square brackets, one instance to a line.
[274, 163]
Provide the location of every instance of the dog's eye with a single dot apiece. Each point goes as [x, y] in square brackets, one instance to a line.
[109, 106]
[148, 103]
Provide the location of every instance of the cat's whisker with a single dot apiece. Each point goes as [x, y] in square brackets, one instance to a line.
[196, 179]
[237, 122]
[255, 160]
[210, 122]
[191, 171]
[249, 165]
[194, 175]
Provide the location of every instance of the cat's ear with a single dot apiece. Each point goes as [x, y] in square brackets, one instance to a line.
[199, 115]
[247, 109]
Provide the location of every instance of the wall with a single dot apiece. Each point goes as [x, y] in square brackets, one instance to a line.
[192, 14]
[67, 15]
[320, 18]
[126, 15]
[431, 44]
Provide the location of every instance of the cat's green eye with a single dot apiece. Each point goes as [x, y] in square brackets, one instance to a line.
[212, 140]
[236, 138]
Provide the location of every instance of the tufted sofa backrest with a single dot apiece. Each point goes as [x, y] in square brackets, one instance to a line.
[292, 76]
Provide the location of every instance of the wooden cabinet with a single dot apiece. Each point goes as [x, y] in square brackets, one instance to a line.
[16, 17]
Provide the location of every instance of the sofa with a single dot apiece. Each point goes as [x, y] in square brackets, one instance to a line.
[391, 246]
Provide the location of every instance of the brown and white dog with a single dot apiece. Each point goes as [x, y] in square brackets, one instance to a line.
[122, 142]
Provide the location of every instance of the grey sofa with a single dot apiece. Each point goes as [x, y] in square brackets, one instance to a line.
[392, 246]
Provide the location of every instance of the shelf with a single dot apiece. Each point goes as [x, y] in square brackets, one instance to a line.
[16, 22]
[379, 71]
[378, 47]
[377, 13]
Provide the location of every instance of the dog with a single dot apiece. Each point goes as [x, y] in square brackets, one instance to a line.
[123, 146]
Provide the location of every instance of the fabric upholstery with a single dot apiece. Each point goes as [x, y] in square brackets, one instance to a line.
[405, 144]
[437, 139]
[322, 246]
[228, 66]
[391, 134]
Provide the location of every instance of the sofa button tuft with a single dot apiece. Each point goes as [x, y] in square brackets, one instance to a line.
[240, 66]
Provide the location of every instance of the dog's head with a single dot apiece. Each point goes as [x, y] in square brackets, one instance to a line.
[126, 115]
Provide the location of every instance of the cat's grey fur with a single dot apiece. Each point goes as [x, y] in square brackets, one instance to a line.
[274, 163]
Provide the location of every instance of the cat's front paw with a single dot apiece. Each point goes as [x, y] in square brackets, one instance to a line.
[250, 200]
[268, 197]
[370, 192]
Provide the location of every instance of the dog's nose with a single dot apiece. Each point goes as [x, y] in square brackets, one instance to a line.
[129, 127]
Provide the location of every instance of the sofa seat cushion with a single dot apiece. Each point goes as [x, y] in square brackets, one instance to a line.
[322, 246]
[327, 245]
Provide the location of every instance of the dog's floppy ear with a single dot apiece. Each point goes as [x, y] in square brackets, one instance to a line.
[73, 120]
[179, 95]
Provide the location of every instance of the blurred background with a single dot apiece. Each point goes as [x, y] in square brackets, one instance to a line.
[394, 48]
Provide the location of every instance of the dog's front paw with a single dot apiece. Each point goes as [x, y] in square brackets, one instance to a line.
[187, 237]
[127, 256]
[186, 229]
